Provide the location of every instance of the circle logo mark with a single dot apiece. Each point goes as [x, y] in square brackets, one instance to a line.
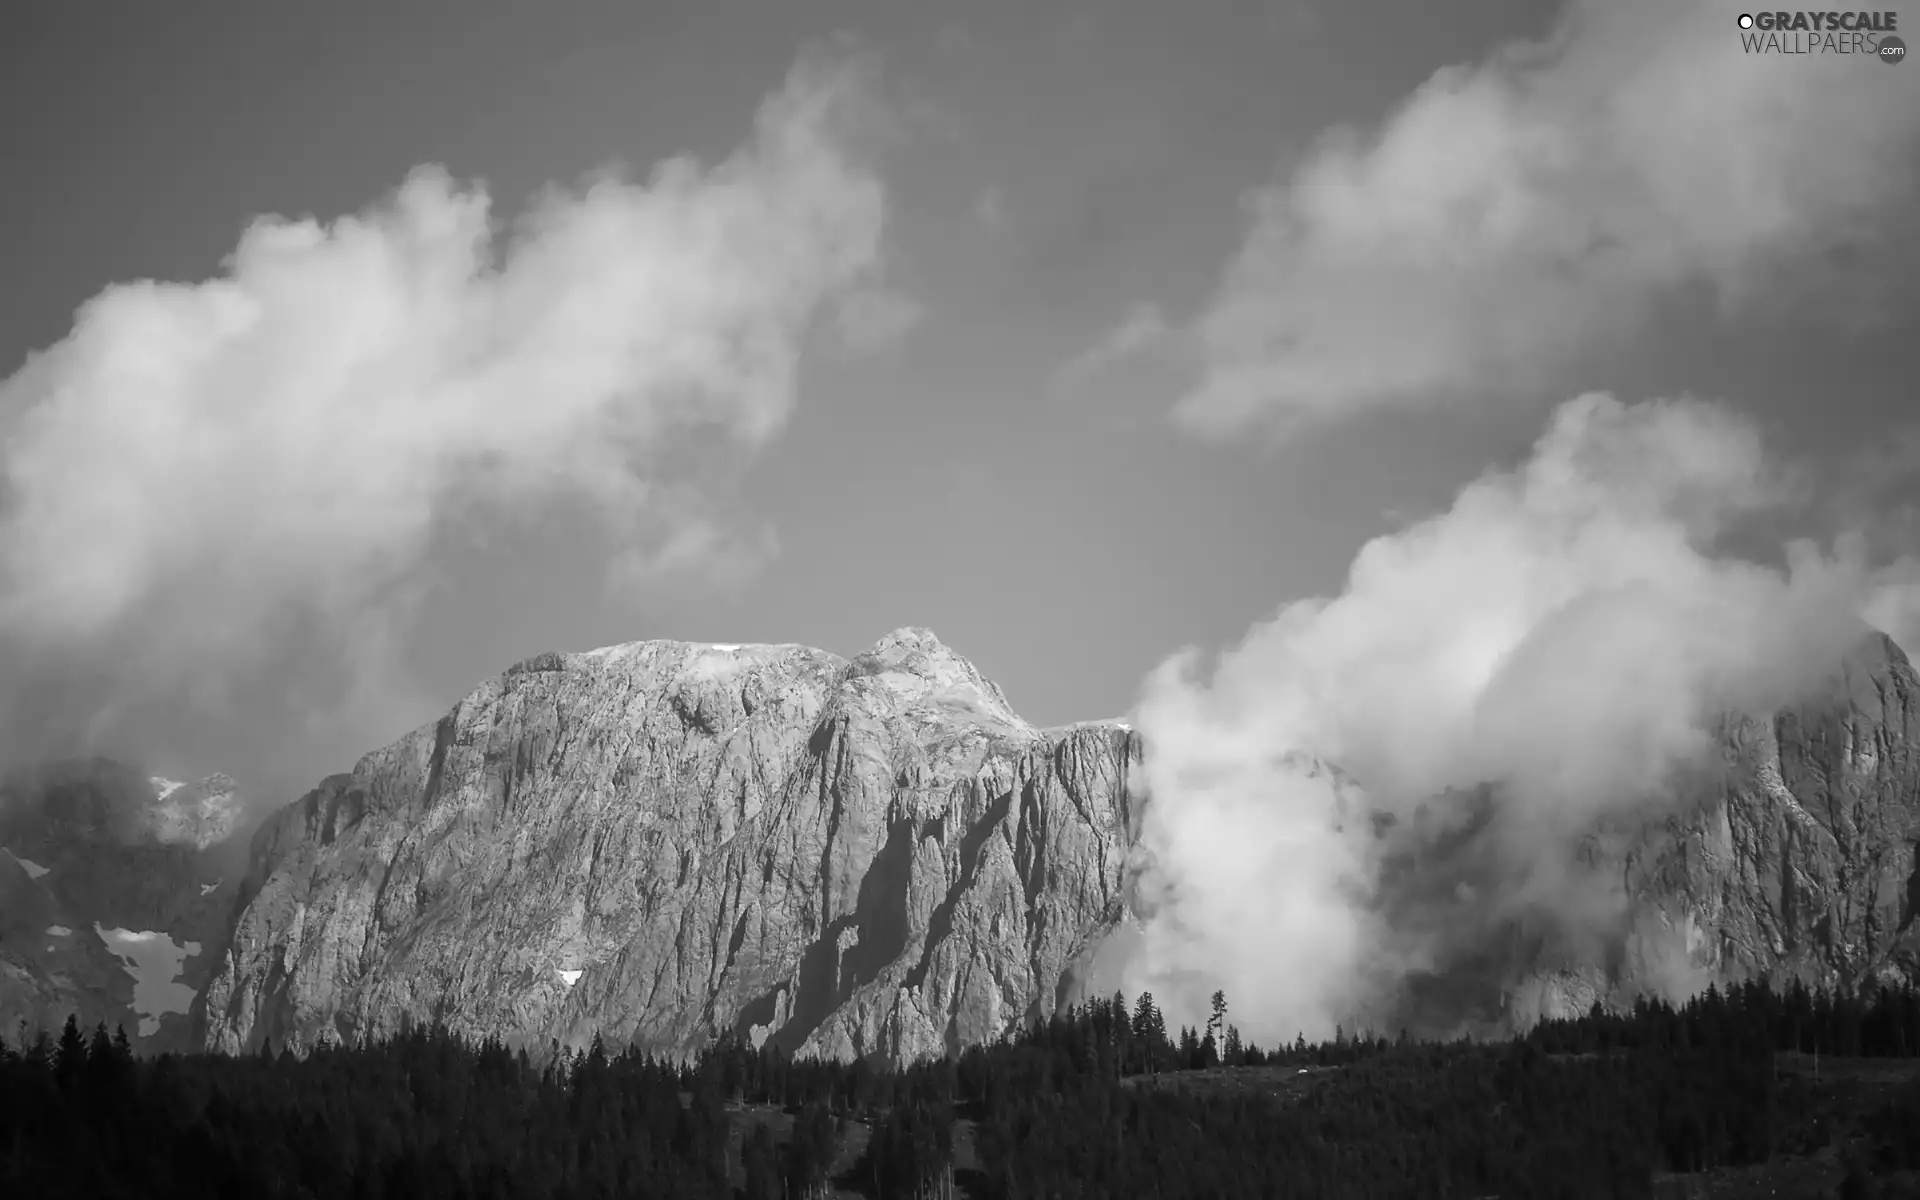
[1892, 49]
[1746, 20]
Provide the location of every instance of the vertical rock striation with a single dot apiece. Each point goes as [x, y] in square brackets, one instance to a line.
[665, 841]
[1791, 858]
[1799, 860]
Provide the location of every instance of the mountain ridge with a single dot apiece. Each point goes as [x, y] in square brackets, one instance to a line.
[851, 856]
[666, 841]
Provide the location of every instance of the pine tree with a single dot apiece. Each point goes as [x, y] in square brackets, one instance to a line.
[810, 1153]
[757, 1158]
[102, 1068]
[1150, 1029]
[70, 1058]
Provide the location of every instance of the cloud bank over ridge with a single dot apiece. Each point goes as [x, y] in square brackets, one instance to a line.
[1568, 631]
[210, 487]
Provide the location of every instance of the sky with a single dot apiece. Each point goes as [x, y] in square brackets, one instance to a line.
[1080, 334]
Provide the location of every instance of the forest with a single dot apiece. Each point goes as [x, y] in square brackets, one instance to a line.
[1101, 1100]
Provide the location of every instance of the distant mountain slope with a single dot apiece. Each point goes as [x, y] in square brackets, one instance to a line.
[1791, 856]
[1799, 859]
[113, 897]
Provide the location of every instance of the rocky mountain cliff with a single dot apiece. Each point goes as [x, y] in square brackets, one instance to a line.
[1799, 859]
[663, 842]
[1791, 856]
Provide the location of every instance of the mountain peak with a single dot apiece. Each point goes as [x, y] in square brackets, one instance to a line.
[1876, 651]
[915, 667]
[910, 637]
[917, 651]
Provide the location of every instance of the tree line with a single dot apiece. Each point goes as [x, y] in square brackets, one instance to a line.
[1091, 1102]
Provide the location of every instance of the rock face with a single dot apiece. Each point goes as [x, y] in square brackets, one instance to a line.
[1799, 861]
[1791, 857]
[663, 842]
[113, 897]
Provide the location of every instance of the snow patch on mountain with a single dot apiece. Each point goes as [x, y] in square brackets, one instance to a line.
[154, 961]
[33, 869]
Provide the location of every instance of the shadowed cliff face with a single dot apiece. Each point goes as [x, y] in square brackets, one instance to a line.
[1791, 855]
[1800, 858]
[663, 842]
[115, 891]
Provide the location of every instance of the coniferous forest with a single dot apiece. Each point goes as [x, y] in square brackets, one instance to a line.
[1102, 1100]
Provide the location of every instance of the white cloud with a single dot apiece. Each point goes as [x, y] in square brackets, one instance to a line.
[1142, 332]
[1513, 212]
[1567, 630]
[200, 472]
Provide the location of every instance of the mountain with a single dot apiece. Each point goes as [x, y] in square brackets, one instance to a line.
[1798, 860]
[1789, 855]
[115, 892]
[666, 841]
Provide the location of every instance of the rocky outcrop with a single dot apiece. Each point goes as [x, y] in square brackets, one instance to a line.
[1792, 856]
[1799, 860]
[115, 890]
[663, 842]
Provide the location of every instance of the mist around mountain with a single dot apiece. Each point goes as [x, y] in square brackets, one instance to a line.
[668, 843]
[116, 892]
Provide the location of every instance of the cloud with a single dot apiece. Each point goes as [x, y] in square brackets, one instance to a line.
[1567, 632]
[1142, 332]
[222, 489]
[1877, 502]
[1512, 213]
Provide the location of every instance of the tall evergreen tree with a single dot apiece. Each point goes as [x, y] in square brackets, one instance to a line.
[70, 1057]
